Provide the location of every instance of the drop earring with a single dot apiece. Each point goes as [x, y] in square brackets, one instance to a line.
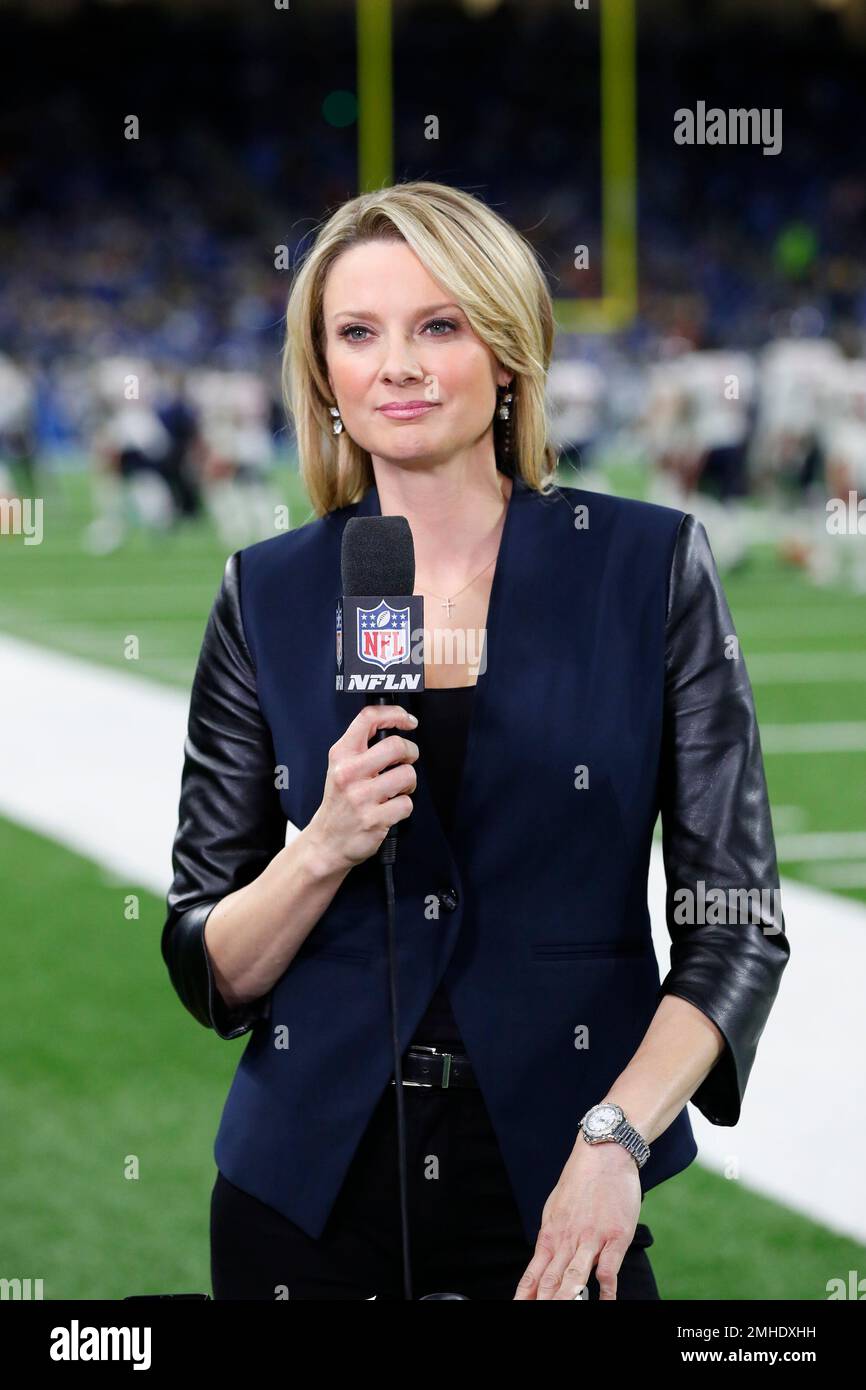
[504, 413]
[337, 422]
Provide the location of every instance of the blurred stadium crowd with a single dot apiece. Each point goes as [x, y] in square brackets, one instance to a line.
[153, 260]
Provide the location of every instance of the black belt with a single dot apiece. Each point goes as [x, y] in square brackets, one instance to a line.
[430, 1066]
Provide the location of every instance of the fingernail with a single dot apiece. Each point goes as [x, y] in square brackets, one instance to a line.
[414, 718]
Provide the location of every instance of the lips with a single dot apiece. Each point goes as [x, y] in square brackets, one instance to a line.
[407, 410]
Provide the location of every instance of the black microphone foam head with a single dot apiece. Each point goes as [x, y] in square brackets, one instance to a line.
[378, 555]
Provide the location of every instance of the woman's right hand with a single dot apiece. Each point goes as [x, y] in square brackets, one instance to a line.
[361, 801]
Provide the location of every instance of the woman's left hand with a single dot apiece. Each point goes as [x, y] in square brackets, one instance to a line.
[590, 1216]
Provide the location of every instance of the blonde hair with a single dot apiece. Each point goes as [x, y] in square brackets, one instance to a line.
[490, 270]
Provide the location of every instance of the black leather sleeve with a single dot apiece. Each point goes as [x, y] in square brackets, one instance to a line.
[716, 825]
[230, 821]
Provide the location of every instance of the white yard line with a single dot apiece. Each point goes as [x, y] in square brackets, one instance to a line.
[839, 875]
[821, 844]
[841, 737]
[789, 818]
[92, 758]
[806, 620]
[805, 668]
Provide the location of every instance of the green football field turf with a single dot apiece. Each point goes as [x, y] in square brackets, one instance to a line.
[111, 1092]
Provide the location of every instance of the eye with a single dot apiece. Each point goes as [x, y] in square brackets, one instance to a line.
[352, 328]
[445, 323]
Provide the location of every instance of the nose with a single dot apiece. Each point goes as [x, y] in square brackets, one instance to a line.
[399, 364]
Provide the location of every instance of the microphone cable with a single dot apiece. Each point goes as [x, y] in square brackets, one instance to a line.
[387, 854]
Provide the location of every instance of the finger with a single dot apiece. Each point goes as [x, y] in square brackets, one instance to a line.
[575, 1279]
[393, 749]
[369, 720]
[348, 768]
[550, 1284]
[607, 1270]
[574, 1283]
[391, 783]
[527, 1285]
[397, 809]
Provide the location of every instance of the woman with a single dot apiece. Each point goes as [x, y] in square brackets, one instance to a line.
[420, 330]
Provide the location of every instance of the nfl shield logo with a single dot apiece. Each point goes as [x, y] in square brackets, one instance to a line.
[383, 635]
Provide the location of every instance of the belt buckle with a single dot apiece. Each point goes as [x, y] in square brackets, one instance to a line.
[446, 1068]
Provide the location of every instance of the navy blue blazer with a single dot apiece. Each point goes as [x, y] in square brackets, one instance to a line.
[606, 650]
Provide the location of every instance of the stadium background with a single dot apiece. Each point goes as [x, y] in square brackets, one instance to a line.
[160, 257]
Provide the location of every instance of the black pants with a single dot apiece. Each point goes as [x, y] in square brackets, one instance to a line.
[465, 1231]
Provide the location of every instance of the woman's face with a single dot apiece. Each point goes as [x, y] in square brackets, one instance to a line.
[393, 335]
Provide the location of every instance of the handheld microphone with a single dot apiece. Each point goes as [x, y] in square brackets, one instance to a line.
[377, 615]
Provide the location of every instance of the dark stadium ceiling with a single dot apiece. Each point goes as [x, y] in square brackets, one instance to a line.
[789, 14]
[852, 11]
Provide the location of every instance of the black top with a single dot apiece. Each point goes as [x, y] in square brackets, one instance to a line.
[443, 724]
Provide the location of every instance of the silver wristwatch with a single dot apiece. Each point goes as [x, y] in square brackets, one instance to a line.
[606, 1123]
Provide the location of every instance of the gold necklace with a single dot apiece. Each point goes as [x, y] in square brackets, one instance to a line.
[448, 603]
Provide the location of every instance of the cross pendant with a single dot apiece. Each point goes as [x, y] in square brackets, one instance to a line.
[447, 605]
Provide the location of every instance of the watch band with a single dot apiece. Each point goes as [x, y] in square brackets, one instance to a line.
[637, 1146]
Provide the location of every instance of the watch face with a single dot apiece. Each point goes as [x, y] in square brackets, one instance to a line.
[601, 1120]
